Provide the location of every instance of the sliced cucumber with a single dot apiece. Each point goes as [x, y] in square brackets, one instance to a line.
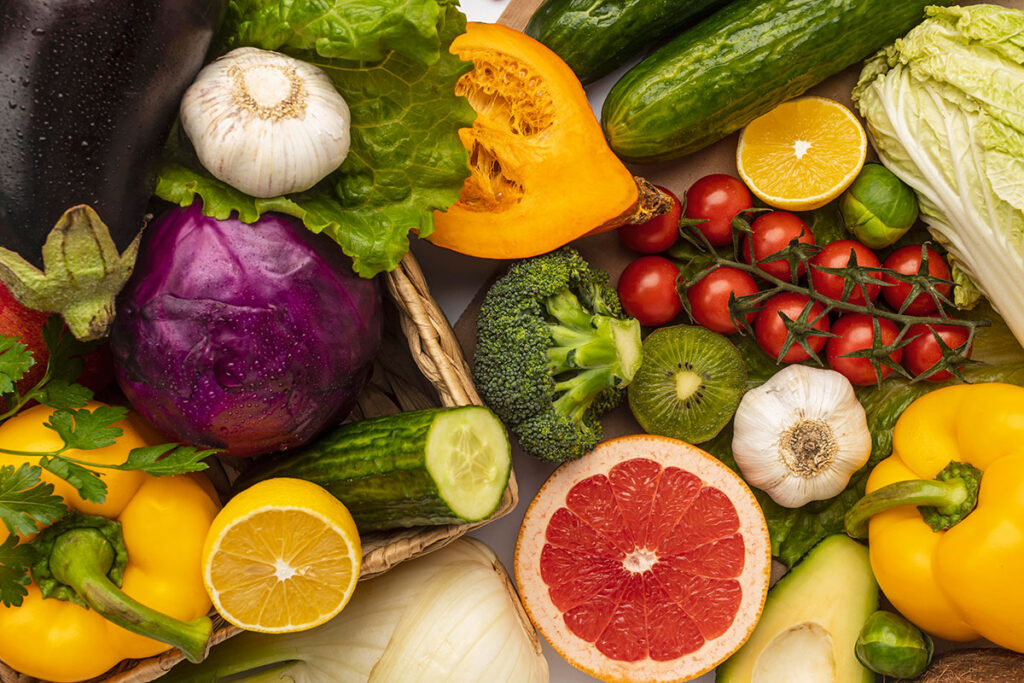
[436, 466]
[469, 458]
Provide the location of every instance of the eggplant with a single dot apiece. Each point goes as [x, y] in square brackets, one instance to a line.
[89, 90]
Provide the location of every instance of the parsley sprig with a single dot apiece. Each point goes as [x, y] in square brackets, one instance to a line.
[26, 501]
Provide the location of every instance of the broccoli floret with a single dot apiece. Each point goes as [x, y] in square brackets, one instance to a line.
[554, 352]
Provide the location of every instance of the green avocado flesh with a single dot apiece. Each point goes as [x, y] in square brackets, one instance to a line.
[811, 620]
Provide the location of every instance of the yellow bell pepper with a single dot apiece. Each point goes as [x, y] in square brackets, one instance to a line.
[163, 521]
[961, 582]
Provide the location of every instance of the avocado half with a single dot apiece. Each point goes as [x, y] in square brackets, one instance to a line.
[811, 621]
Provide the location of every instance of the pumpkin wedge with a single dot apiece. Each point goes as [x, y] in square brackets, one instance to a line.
[541, 172]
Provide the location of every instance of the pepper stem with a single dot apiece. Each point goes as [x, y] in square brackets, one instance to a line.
[81, 558]
[943, 501]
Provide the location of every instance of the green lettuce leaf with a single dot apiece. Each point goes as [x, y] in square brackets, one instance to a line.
[794, 531]
[405, 162]
[354, 30]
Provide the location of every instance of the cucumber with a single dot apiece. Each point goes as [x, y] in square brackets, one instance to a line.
[740, 63]
[435, 466]
[595, 37]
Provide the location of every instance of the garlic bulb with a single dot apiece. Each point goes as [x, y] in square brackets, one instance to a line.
[801, 435]
[265, 123]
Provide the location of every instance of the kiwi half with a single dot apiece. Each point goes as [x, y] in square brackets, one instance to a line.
[689, 384]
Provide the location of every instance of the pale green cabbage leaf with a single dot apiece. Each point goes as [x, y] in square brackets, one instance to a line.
[945, 110]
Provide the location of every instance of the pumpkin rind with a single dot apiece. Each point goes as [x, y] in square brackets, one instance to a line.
[541, 171]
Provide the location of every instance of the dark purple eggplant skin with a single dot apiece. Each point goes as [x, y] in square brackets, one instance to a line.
[89, 90]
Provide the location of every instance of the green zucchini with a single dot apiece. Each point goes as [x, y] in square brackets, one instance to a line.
[595, 37]
[740, 63]
[435, 466]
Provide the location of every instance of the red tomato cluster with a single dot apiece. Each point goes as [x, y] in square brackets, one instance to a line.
[649, 286]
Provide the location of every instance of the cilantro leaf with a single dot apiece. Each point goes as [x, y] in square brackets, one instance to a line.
[25, 501]
[15, 560]
[62, 395]
[15, 361]
[358, 30]
[165, 459]
[405, 162]
[88, 483]
[85, 429]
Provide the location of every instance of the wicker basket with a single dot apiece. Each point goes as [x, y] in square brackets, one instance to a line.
[420, 365]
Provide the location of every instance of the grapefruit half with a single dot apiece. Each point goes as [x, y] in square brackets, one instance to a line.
[645, 560]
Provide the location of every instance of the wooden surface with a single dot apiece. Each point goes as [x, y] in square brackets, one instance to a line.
[518, 13]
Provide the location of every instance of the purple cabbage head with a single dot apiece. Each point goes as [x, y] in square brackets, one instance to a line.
[249, 338]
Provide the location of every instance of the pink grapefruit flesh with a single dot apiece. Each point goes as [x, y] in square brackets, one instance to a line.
[646, 560]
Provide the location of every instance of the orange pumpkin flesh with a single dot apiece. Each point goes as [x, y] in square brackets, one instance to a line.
[541, 171]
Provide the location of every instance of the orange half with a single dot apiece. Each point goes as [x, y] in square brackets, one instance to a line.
[802, 154]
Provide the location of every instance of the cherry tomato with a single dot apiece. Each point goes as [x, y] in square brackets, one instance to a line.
[923, 352]
[837, 255]
[907, 260]
[770, 330]
[647, 290]
[855, 332]
[709, 298]
[718, 198]
[772, 232]
[657, 234]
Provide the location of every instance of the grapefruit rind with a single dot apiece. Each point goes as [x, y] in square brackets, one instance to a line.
[667, 452]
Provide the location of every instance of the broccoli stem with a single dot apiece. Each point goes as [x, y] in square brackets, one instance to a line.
[589, 353]
[606, 350]
[579, 392]
[567, 310]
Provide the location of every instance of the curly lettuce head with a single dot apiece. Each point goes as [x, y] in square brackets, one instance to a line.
[945, 111]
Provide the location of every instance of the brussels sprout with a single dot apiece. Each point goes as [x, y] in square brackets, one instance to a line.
[892, 646]
[878, 208]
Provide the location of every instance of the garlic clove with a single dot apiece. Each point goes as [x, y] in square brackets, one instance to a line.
[265, 123]
[801, 435]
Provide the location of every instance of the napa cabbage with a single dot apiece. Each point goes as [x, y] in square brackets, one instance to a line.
[945, 110]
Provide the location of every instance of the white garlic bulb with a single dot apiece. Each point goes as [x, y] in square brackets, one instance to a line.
[265, 123]
[801, 435]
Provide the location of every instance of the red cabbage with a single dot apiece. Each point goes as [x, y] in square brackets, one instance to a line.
[251, 338]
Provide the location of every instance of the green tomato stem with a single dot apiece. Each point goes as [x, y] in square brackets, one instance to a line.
[81, 558]
[844, 305]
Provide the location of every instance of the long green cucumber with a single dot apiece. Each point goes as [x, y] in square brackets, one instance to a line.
[595, 37]
[740, 63]
[436, 466]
